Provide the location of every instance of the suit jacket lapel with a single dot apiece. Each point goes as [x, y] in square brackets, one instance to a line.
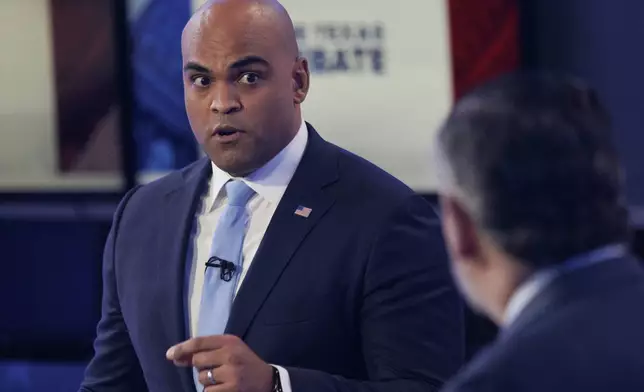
[180, 205]
[317, 170]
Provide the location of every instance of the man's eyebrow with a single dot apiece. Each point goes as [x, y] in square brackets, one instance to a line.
[249, 60]
[242, 62]
[192, 66]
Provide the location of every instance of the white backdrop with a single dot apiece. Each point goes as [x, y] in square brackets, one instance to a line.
[27, 120]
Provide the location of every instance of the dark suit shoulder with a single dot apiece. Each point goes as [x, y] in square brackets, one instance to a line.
[489, 371]
[522, 362]
[597, 336]
[171, 181]
[362, 179]
[150, 195]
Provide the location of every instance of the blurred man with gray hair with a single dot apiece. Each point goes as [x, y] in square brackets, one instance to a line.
[535, 224]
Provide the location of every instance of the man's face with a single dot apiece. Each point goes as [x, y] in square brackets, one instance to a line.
[240, 91]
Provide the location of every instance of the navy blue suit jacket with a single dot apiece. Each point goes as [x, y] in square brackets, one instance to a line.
[356, 297]
[585, 332]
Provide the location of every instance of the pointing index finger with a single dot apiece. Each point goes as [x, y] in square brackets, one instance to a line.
[185, 349]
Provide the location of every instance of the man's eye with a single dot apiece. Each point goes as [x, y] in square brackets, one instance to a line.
[201, 81]
[249, 78]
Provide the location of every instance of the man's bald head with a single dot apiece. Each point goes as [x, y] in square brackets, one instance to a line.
[243, 74]
[267, 16]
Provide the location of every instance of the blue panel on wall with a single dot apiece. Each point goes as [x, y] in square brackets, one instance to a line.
[161, 129]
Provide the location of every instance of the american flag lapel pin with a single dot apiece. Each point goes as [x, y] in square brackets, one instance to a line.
[302, 211]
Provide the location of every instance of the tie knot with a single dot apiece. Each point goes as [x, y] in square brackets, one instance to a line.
[238, 193]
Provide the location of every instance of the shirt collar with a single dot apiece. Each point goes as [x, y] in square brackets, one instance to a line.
[536, 283]
[269, 181]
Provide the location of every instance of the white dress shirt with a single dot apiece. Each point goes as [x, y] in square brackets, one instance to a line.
[538, 281]
[269, 183]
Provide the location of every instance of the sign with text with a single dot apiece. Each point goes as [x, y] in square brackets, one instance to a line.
[381, 79]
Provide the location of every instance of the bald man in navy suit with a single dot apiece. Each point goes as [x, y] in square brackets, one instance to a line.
[328, 274]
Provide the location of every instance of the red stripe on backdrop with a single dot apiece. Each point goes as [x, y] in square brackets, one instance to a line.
[484, 40]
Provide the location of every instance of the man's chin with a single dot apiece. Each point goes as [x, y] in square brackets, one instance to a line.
[239, 162]
[232, 166]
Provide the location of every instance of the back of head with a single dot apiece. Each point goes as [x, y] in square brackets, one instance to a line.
[530, 156]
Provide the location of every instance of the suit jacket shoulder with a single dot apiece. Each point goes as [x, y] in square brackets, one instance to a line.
[365, 175]
[144, 200]
[151, 194]
[368, 187]
[580, 333]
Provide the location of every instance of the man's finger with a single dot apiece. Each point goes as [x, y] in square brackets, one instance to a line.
[183, 362]
[184, 351]
[209, 359]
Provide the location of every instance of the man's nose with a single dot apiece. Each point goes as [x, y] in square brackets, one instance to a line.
[225, 99]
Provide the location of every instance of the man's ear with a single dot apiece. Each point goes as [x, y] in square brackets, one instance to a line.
[301, 80]
[459, 229]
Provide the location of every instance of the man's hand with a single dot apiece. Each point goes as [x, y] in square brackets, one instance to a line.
[235, 367]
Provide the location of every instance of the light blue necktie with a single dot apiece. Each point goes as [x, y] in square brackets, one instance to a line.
[217, 295]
